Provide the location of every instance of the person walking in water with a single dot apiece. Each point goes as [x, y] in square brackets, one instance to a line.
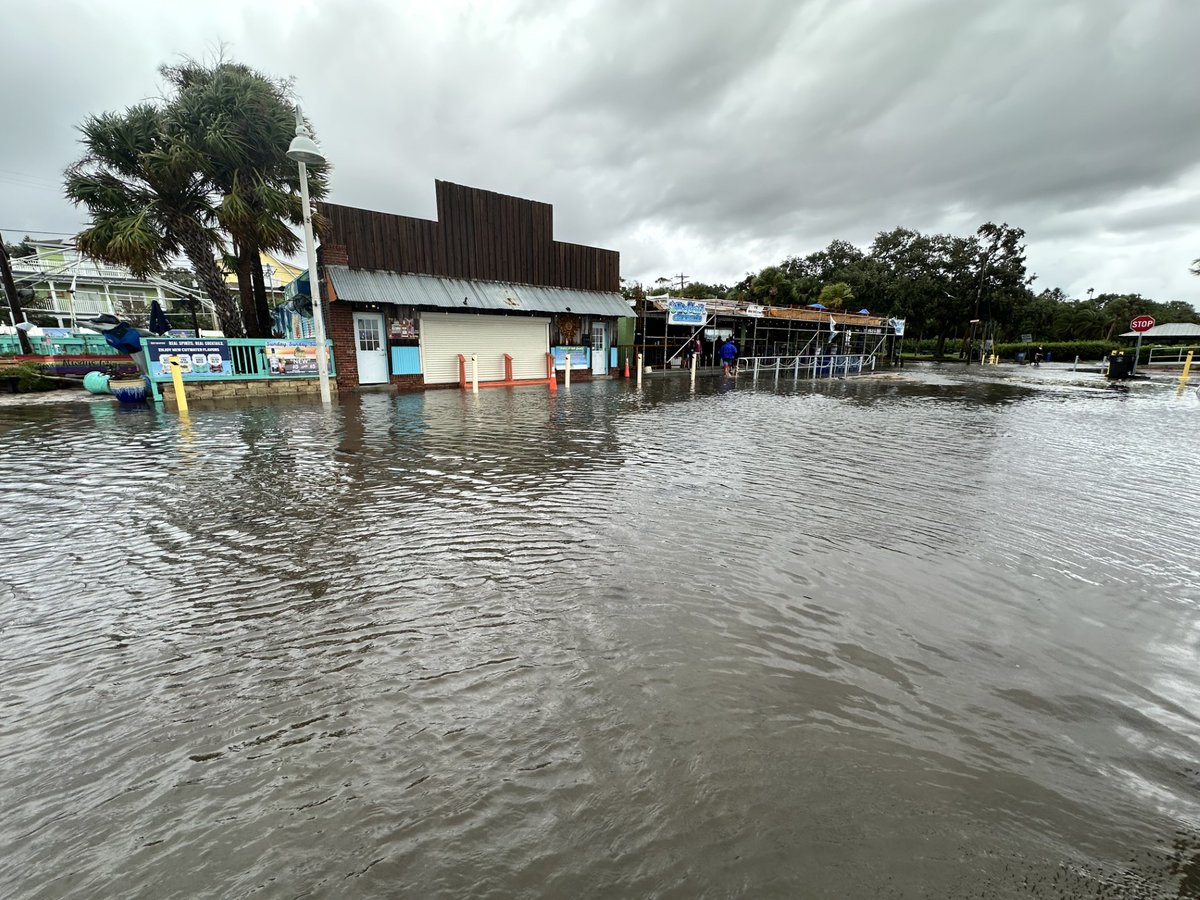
[728, 355]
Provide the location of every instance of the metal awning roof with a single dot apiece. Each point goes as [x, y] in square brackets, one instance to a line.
[1169, 329]
[369, 286]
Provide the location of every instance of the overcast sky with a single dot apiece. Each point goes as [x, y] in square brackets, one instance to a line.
[710, 138]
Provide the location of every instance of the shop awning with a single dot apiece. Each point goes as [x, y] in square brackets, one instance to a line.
[463, 295]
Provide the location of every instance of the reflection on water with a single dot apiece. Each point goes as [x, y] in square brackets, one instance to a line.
[917, 635]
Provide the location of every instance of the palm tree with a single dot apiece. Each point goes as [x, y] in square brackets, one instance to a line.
[771, 287]
[237, 124]
[146, 203]
[836, 295]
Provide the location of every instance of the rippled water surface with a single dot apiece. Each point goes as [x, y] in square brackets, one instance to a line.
[903, 636]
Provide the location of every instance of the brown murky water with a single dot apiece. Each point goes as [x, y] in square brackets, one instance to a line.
[918, 636]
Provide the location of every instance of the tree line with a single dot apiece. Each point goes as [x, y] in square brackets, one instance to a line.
[939, 283]
[201, 173]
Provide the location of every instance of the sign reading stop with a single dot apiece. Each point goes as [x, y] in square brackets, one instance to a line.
[1141, 323]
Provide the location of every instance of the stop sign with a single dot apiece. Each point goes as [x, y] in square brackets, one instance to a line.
[1141, 323]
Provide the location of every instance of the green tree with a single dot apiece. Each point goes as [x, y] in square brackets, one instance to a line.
[236, 123]
[771, 287]
[146, 202]
[698, 290]
[836, 295]
[180, 275]
[24, 247]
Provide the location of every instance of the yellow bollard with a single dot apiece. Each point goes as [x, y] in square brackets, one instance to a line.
[1187, 369]
[177, 382]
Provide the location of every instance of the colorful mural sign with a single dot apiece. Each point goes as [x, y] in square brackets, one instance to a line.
[581, 357]
[198, 357]
[286, 358]
[686, 312]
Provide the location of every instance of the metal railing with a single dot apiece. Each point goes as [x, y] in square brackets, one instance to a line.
[1170, 356]
[249, 361]
[67, 264]
[74, 345]
[134, 308]
[248, 355]
[806, 365]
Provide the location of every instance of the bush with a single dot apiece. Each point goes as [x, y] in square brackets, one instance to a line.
[28, 376]
[1060, 351]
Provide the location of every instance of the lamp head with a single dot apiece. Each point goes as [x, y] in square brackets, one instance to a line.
[303, 148]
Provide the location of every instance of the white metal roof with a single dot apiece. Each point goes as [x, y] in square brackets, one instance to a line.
[1169, 329]
[370, 286]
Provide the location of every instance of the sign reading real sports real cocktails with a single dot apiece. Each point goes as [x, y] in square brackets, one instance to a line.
[198, 357]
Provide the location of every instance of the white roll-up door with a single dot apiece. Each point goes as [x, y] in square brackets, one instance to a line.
[445, 335]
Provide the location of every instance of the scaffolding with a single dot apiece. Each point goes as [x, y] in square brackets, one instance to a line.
[771, 335]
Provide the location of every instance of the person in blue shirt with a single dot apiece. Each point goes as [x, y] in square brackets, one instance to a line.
[728, 355]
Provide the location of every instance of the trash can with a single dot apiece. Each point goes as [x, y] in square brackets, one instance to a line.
[1120, 365]
[1021, 357]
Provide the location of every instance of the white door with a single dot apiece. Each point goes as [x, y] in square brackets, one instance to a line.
[599, 349]
[445, 335]
[370, 349]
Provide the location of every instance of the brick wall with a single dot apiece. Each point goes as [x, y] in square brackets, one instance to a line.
[339, 321]
[244, 390]
[410, 382]
[334, 255]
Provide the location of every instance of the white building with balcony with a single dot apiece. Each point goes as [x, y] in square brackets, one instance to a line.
[59, 286]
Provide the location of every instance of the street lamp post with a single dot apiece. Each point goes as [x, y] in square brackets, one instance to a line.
[305, 152]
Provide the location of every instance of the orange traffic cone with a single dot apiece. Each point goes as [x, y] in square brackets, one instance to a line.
[627, 365]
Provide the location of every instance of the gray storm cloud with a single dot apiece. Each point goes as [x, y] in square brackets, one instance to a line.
[708, 138]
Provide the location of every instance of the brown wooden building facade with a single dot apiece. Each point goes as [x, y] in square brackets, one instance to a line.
[407, 295]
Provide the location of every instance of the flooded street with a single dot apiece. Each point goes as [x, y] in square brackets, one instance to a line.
[916, 635]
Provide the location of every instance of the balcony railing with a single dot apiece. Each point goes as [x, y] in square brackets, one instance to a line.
[134, 308]
[69, 266]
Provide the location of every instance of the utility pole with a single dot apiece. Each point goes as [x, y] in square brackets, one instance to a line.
[682, 282]
[14, 307]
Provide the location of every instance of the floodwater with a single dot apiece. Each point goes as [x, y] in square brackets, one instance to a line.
[915, 635]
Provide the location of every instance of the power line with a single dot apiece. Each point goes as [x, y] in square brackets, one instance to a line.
[32, 231]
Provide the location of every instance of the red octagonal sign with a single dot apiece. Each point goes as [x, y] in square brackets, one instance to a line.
[1142, 323]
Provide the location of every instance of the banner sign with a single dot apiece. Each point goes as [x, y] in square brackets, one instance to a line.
[898, 327]
[686, 312]
[581, 357]
[291, 358]
[754, 311]
[198, 357]
[402, 329]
